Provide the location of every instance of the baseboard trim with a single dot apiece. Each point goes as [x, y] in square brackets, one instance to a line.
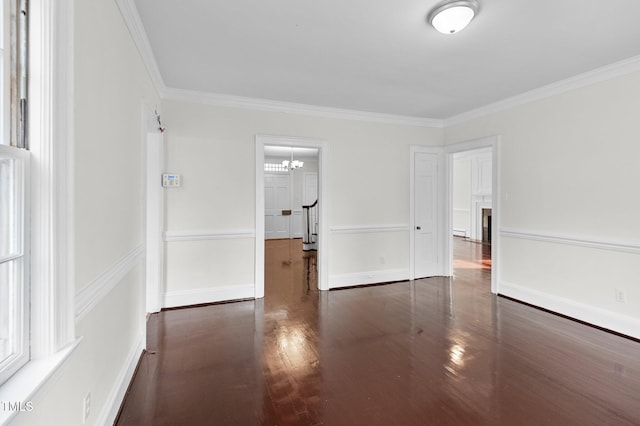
[94, 292]
[598, 317]
[173, 299]
[371, 277]
[115, 398]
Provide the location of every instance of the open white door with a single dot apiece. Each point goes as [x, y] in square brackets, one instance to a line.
[426, 217]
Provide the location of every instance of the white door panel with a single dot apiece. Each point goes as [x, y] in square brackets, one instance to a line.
[426, 248]
[276, 199]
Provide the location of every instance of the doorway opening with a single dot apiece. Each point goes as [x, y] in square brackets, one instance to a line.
[291, 213]
[472, 193]
[291, 222]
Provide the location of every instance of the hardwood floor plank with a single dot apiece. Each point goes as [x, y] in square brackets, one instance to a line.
[432, 351]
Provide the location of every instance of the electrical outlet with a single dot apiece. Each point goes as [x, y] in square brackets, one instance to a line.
[621, 296]
[86, 408]
[382, 260]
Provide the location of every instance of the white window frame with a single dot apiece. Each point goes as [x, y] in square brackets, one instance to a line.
[18, 260]
[50, 132]
[14, 261]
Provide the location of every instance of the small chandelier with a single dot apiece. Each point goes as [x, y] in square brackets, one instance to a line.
[293, 164]
[451, 16]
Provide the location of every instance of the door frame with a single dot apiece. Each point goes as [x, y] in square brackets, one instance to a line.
[323, 205]
[154, 212]
[440, 222]
[492, 142]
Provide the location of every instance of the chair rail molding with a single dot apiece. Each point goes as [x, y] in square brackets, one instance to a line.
[365, 229]
[208, 234]
[588, 242]
[94, 292]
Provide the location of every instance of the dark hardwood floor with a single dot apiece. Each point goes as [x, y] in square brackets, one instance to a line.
[432, 351]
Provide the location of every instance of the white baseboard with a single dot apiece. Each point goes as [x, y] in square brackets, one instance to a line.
[371, 277]
[107, 415]
[198, 296]
[460, 233]
[599, 317]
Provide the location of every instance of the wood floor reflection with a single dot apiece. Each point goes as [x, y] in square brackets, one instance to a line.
[432, 351]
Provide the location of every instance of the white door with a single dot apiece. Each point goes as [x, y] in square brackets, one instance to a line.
[277, 194]
[426, 244]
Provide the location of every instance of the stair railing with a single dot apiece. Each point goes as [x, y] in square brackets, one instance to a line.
[310, 226]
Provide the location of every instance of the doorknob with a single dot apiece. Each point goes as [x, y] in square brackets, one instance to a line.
[418, 228]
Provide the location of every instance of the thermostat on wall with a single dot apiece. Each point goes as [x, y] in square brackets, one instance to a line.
[170, 180]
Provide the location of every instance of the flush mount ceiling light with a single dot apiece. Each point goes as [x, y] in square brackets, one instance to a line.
[451, 16]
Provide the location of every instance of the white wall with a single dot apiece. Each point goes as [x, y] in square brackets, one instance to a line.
[214, 150]
[461, 195]
[111, 85]
[569, 231]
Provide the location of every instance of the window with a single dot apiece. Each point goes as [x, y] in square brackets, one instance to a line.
[14, 186]
[14, 296]
[275, 167]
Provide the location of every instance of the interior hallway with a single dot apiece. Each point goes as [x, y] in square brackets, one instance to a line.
[432, 351]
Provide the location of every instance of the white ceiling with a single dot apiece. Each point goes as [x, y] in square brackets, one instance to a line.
[380, 55]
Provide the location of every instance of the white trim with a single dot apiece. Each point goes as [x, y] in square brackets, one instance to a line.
[154, 214]
[472, 153]
[588, 78]
[232, 101]
[492, 142]
[460, 233]
[134, 24]
[112, 404]
[199, 296]
[371, 277]
[94, 292]
[208, 234]
[323, 205]
[365, 229]
[596, 316]
[625, 247]
[51, 142]
[25, 384]
[64, 156]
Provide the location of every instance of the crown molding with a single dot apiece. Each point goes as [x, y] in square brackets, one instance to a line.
[133, 22]
[135, 26]
[233, 101]
[608, 72]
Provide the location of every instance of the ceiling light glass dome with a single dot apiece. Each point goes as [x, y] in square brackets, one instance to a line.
[453, 15]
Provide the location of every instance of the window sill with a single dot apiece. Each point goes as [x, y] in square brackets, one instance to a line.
[23, 385]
